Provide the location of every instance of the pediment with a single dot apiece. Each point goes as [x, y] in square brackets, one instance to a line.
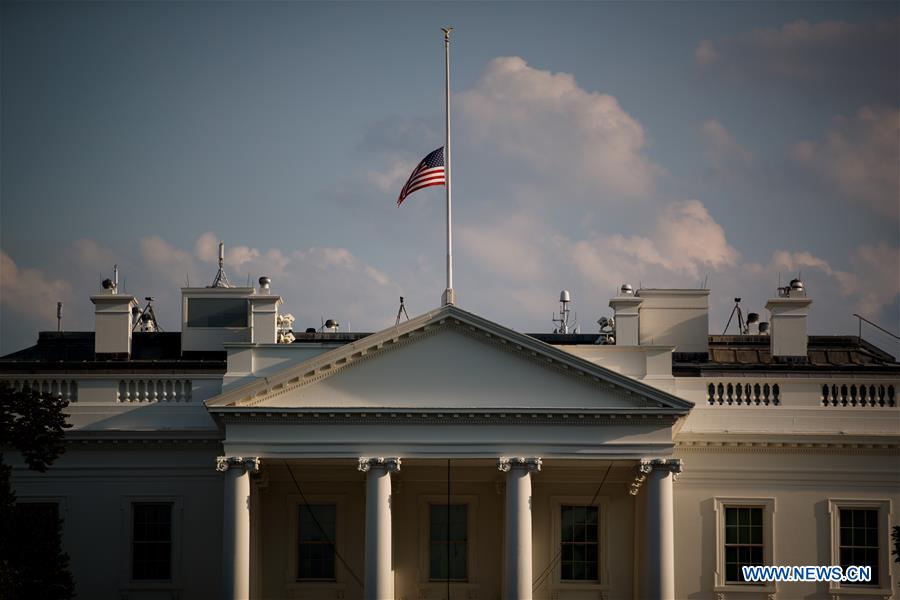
[450, 359]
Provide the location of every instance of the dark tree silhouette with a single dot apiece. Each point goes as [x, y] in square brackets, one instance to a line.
[32, 563]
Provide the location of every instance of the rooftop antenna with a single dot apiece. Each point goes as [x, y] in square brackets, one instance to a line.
[564, 300]
[248, 279]
[705, 281]
[221, 279]
[742, 328]
[115, 289]
[59, 306]
[401, 311]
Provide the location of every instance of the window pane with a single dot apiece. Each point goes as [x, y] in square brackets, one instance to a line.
[579, 539]
[317, 524]
[217, 312]
[858, 528]
[151, 548]
[744, 543]
[448, 532]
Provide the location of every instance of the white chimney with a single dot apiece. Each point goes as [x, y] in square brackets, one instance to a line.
[787, 318]
[264, 317]
[675, 317]
[627, 307]
[112, 331]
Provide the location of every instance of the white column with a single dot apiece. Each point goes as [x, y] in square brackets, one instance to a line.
[236, 525]
[659, 529]
[518, 524]
[379, 576]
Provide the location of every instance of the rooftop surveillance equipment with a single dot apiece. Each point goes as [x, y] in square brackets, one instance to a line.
[59, 306]
[795, 289]
[626, 290]
[146, 321]
[265, 284]
[742, 327]
[607, 331]
[401, 311]
[564, 327]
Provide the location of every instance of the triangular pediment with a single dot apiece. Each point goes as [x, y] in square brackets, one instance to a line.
[450, 359]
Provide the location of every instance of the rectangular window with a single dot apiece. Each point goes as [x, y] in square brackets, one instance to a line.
[448, 534]
[151, 541]
[580, 543]
[743, 540]
[217, 312]
[858, 543]
[317, 529]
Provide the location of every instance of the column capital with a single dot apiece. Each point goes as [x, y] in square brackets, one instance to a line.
[366, 463]
[648, 465]
[249, 463]
[673, 465]
[507, 463]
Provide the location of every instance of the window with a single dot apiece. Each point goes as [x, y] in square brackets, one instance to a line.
[745, 530]
[448, 534]
[858, 539]
[743, 540]
[317, 525]
[217, 312]
[151, 541]
[580, 543]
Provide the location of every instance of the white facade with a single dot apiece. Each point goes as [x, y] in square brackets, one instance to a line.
[656, 442]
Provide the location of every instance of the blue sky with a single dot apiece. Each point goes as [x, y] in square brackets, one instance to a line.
[594, 143]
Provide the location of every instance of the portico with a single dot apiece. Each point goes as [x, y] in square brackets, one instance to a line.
[449, 410]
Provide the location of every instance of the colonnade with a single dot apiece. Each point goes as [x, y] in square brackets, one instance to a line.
[657, 568]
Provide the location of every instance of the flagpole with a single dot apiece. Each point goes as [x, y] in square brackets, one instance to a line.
[449, 296]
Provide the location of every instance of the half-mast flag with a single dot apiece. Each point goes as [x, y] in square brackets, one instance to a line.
[429, 172]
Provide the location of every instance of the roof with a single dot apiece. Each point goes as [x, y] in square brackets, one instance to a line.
[826, 353]
[74, 350]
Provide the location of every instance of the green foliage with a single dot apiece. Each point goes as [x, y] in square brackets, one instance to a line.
[32, 564]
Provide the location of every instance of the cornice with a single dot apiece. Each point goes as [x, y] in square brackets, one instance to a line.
[768, 447]
[458, 417]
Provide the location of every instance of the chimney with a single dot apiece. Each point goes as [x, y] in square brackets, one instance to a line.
[676, 317]
[264, 314]
[627, 307]
[787, 318]
[112, 311]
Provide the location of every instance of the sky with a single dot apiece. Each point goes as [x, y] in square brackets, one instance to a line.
[661, 144]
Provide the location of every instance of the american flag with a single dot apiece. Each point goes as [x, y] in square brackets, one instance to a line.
[429, 172]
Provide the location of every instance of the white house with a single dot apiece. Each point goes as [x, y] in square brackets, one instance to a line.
[449, 456]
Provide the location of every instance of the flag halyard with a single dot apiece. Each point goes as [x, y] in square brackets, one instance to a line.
[429, 172]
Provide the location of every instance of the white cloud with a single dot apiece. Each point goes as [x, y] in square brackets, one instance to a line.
[862, 156]
[393, 177]
[557, 128]
[29, 292]
[722, 146]
[207, 247]
[170, 262]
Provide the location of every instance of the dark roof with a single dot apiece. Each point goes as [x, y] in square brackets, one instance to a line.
[751, 352]
[74, 350]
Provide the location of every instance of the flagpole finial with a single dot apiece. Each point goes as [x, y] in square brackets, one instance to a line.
[446, 31]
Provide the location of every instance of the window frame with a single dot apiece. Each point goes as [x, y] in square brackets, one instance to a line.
[334, 542]
[602, 584]
[433, 587]
[768, 514]
[127, 560]
[292, 582]
[885, 586]
[431, 506]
